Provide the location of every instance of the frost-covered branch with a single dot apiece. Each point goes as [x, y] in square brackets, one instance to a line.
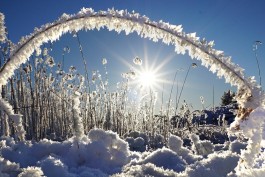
[119, 21]
[2, 28]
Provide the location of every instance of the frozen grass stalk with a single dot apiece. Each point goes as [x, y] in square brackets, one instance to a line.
[255, 48]
[194, 65]
[78, 122]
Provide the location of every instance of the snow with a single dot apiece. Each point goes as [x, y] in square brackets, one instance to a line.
[104, 153]
[165, 158]
[100, 150]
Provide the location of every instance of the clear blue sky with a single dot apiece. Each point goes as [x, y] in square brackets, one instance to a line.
[233, 24]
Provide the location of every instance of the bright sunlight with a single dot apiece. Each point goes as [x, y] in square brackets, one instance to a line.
[147, 79]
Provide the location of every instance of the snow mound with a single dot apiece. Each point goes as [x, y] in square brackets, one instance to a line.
[175, 144]
[148, 169]
[165, 158]
[102, 150]
[217, 165]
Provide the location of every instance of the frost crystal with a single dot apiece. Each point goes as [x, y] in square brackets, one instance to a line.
[104, 61]
[66, 49]
[137, 61]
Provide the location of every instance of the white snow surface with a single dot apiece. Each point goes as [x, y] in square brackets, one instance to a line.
[103, 153]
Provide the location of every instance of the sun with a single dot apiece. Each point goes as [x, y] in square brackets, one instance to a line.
[147, 79]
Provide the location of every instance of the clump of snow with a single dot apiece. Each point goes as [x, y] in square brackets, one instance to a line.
[8, 168]
[31, 172]
[117, 149]
[203, 148]
[53, 166]
[216, 164]
[166, 159]
[175, 143]
[148, 169]
[236, 146]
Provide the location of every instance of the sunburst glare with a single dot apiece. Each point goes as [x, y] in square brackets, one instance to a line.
[147, 79]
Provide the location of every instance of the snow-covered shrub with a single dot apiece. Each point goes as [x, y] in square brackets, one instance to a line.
[221, 116]
[203, 148]
[137, 141]
[137, 144]
[215, 134]
[156, 142]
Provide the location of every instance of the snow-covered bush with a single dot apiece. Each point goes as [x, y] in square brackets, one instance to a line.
[137, 141]
[157, 141]
[137, 144]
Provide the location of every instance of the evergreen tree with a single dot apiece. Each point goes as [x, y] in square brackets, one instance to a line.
[228, 98]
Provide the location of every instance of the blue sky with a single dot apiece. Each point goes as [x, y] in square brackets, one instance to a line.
[233, 24]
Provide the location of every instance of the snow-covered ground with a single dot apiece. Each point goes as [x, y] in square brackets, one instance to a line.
[104, 153]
